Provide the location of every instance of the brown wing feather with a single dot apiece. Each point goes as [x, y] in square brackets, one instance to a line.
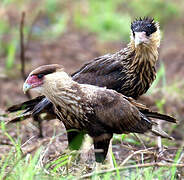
[105, 71]
[119, 114]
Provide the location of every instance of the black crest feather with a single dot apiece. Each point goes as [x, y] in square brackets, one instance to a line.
[145, 24]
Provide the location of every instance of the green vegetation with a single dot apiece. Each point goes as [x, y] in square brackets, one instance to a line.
[103, 19]
[160, 78]
[110, 21]
[18, 165]
[11, 52]
[155, 9]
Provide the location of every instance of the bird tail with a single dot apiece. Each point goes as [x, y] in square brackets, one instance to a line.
[152, 114]
[32, 108]
[155, 129]
[27, 105]
[20, 117]
[26, 109]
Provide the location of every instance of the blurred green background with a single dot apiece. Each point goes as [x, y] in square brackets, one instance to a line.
[108, 20]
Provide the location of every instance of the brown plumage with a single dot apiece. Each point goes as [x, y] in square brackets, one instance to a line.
[97, 111]
[130, 71]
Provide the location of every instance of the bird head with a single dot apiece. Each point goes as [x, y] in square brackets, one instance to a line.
[145, 31]
[37, 77]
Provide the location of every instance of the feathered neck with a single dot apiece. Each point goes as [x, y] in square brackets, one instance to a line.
[140, 66]
[64, 93]
[145, 54]
[56, 83]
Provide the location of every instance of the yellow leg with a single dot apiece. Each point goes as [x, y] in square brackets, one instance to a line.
[109, 156]
[86, 147]
[108, 163]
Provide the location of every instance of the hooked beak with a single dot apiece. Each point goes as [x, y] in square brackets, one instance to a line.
[26, 87]
[140, 37]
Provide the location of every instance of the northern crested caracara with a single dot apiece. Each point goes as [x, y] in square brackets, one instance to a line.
[130, 71]
[94, 110]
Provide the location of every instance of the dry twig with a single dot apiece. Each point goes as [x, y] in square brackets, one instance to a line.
[141, 141]
[134, 153]
[22, 53]
[155, 164]
[22, 50]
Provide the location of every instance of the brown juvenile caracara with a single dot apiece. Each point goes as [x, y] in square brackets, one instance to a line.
[130, 71]
[94, 110]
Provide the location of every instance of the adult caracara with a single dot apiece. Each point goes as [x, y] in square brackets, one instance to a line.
[130, 71]
[94, 110]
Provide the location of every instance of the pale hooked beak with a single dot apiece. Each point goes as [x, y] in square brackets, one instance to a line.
[26, 87]
[140, 37]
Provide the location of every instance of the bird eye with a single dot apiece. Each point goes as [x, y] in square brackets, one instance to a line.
[147, 33]
[40, 76]
[133, 33]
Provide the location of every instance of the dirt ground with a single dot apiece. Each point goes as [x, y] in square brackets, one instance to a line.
[73, 49]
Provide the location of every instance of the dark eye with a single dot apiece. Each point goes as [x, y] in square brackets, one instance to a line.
[133, 33]
[40, 76]
[147, 33]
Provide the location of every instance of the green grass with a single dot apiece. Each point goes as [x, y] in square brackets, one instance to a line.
[160, 79]
[104, 20]
[29, 168]
[110, 21]
[51, 25]
[155, 9]
[16, 165]
[11, 52]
